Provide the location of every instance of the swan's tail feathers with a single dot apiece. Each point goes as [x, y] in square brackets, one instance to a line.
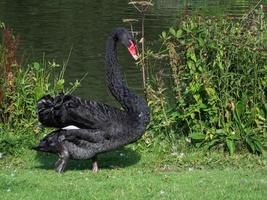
[49, 110]
[45, 102]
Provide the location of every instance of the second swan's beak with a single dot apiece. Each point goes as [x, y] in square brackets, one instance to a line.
[133, 50]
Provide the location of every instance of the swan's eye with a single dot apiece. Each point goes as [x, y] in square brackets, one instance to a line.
[133, 50]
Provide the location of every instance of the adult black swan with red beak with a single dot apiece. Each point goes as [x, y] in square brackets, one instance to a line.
[87, 128]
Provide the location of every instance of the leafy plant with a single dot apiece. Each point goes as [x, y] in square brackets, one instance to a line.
[21, 88]
[216, 91]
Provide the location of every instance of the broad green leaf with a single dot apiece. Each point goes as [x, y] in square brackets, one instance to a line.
[258, 146]
[197, 97]
[172, 31]
[164, 34]
[191, 65]
[210, 91]
[2, 25]
[231, 146]
[36, 65]
[250, 144]
[191, 54]
[211, 143]
[202, 106]
[179, 33]
[201, 42]
[197, 136]
[192, 115]
[220, 131]
[174, 114]
[199, 144]
[240, 108]
[60, 84]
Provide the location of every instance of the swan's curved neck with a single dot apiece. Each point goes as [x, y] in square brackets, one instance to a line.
[129, 101]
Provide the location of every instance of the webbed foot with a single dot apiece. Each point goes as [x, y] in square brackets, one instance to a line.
[60, 166]
[94, 164]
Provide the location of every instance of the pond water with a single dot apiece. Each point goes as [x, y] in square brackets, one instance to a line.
[52, 28]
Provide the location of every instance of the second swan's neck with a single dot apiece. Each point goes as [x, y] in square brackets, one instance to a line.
[130, 102]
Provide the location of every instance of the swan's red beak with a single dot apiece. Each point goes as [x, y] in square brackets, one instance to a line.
[133, 50]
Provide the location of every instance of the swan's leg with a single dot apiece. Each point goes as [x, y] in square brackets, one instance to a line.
[58, 161]
[62, 162]
[94, 164]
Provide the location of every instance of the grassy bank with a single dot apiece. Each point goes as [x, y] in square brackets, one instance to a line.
[126, 174]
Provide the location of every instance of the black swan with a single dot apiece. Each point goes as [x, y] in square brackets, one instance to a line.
[94, 127]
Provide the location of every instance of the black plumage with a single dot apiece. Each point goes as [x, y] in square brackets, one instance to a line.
[101, 127]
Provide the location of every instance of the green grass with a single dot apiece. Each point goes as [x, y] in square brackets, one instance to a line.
[127, 174]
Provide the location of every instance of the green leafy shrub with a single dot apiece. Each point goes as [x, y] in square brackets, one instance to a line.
[216, 93]
[18, 126]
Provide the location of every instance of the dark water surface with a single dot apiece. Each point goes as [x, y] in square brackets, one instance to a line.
[51, 28]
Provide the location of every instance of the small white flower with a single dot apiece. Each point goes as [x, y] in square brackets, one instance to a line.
[13, 173]
[181, 155]
[188, 140]
[243, 181]
[162, 192]
[8, 190]
[190, 169]
[174, 154]
[121, 154]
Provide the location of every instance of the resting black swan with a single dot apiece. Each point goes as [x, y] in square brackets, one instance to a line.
[97, 127]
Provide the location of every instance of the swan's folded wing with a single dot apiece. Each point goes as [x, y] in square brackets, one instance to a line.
[65, 110]
[91, 114]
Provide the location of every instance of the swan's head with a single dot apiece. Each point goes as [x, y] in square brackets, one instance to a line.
[124, 36]
[48, 144]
